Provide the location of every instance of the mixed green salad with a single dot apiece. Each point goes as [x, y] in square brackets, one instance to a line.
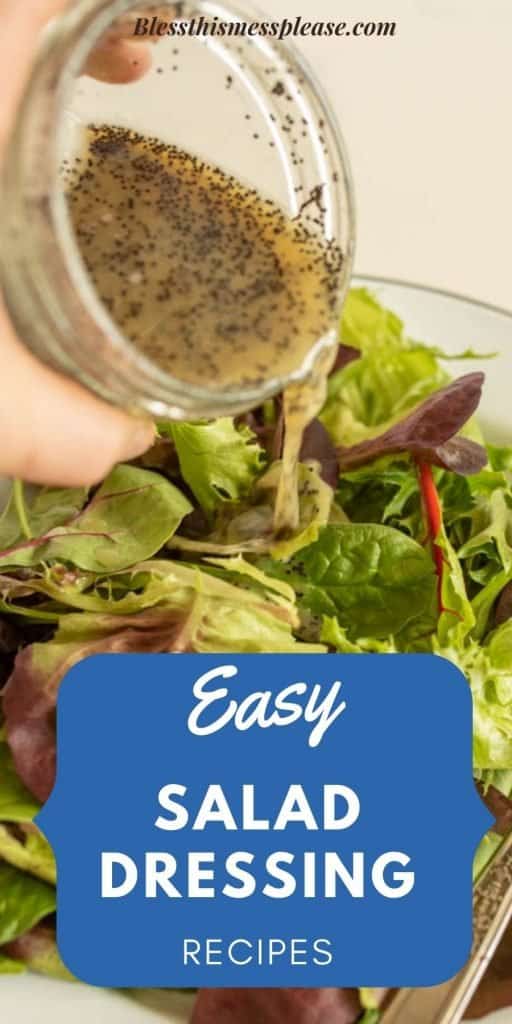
[405, 544]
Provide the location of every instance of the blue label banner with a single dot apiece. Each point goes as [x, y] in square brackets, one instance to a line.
[264, 820]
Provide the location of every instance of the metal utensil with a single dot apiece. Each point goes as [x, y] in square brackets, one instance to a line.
[492, 911]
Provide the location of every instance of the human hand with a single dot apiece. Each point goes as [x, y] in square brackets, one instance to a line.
[54, 431]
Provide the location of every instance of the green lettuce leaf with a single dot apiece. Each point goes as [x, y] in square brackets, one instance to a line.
[256, 577]
[392, 376]
[48, 508]
[486, 849]
[500, 458]
[335, 636]
[488, 548]
[483, 603]
[16, 803]
[248, 528]
[27, 849]
[370, 1017]
[492, 709]
[499, 647]
[219, 461]
[501, 780]
[477, 514]
[24, 901]
[488, 668]
[457, 618]
[23, 846]
[131, 516]
[373, 579]
[386, 492]
[366, 323]
[37, 950]
[10, 966]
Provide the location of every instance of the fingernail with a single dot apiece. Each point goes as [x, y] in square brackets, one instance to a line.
[140, 439]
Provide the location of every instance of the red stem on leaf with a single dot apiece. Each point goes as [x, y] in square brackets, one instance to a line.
[433, 513]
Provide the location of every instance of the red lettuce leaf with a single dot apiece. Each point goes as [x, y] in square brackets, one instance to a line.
[30, 695]
[500, 807]
[38, 941]
[10, 637]
[37, 949]
[346, 354]
[179, 610]
[277, 1006]
[503, 609]
[429, 432]
[317, 444]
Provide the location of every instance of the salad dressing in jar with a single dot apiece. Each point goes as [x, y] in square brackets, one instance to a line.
[187, 239]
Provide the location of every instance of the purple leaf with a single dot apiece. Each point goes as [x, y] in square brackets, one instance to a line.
[500, 807]
[277, 1006]
[30, 695]
[428, 432]
[460, 455]
[345, 355]
[317, 444]
[503, 609]
[38, 943]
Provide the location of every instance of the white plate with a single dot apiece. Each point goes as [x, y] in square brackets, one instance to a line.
[453, 324]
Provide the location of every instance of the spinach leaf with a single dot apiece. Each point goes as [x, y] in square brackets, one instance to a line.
[49, 507]
[373, 579]
[130, 518]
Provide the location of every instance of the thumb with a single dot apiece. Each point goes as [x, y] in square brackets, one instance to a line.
[54, 431]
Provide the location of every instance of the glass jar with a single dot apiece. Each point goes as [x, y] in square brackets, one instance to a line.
[247, 104]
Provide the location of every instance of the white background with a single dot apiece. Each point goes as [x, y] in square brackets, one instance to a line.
[427, 117]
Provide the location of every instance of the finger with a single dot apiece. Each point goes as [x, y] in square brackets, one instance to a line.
[21, 25]
[54, 431]
[118, 61]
